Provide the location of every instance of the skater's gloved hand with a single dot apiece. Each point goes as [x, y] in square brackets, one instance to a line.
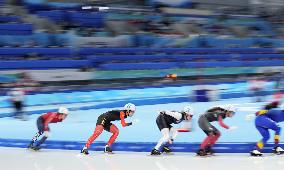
[46, 134]
[249, 117]
[233, 127]
[135, 121]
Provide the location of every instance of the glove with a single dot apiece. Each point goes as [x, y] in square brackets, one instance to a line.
[249, 117]
[233, 127]
[135, 121]
[46, 133]
[171, 141]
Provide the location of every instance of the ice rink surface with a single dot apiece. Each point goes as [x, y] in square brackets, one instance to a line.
[23, 159]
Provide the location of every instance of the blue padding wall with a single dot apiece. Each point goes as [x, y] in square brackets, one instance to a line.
[128, 58]
[41, 64]
[136, 146]
[9, 18]
[40, 51]
[16, 29]
[169, 65]
[90, 51]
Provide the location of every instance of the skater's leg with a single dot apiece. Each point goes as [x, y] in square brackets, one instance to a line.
[260, 144]
[41, 141]
[165, 138]
[263, 124]
[38, 134]
[213, 135]
[216, 136]
[173, 133]
[99, 129]
[277, 129]
[274, 126]
[208, 129]
[114, 130]
[40, 126]
[206, 141]
[265, 137]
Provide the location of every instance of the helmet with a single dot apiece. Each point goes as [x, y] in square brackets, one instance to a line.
[230, 108]
[130, 107]
[188, 110]
[63, 110]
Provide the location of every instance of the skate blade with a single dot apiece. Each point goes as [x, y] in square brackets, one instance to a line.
[82, 155]
[256, 155]
[204, 156]
[108, 153]
[33, 150]
[280, 153]
[155, 155]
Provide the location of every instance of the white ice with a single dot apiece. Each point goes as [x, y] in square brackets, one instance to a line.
[22, 159]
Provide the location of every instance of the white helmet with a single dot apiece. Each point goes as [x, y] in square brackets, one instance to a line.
[63, 110]
[130, 107]
[230, 108]
[188, 110]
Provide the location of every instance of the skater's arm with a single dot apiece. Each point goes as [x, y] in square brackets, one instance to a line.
[48, 120]
[221, 123]
[175, 115]
[122, 120]
[271, 105]
[261, 112]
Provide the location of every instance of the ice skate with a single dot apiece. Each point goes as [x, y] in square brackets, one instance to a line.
[209, 151]
[278, 150]
[155, 152]
[201, 152]
[30, 146]
[166, 150]
[35, 148]
[255, 153]
[85, 151]
[108, 150]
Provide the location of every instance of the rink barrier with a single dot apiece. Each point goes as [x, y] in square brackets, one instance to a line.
[16, 29]
[186, 65]
[138, 102]
[115, 104]
[137, 146]
[91, 51]
[44, 64]
[181, 58]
